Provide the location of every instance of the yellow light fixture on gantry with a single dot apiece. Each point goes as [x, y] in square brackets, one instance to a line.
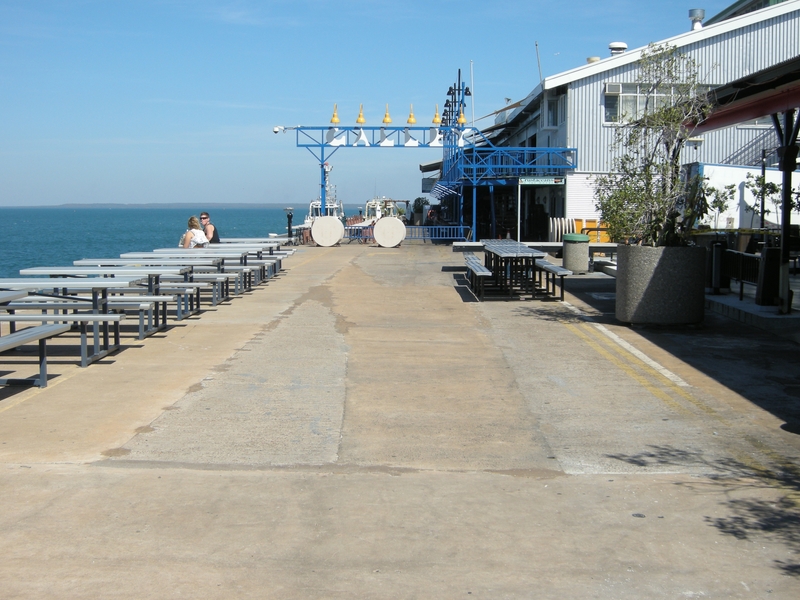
[411, 119]
[386, 118]
[361, 120]
[437, 120]
[335, 117]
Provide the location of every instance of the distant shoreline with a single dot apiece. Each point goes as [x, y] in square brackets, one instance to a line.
[169, 205]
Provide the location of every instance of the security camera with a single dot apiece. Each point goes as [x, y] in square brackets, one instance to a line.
[277, 129]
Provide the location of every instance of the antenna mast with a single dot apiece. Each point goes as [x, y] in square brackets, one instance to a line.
[472, 87]
[539, 62]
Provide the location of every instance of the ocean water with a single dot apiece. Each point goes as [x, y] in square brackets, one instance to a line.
[56, 236]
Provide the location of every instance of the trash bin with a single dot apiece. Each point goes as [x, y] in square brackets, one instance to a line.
[576, 252]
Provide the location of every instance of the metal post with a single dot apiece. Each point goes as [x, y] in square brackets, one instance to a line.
[323, 176]
[716, 267]
[763, 184]
[494, 216]
[788, 163]
[519, 210]
[289, 216]
[474, 213]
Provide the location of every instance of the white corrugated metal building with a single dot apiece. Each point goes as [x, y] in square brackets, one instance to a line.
[579, 108]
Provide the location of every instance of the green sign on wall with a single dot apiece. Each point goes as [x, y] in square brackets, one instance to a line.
[541, 180]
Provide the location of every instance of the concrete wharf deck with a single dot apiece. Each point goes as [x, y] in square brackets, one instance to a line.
[360, 426]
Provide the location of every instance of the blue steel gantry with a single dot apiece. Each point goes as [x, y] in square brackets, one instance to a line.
[469, 159]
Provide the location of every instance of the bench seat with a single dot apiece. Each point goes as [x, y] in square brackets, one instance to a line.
[185, 294]
[38, 333]
[477, 274]
[551, 271]
[82, 320]
[143, 305]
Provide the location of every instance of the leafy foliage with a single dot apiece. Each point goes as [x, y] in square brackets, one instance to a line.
[759, 187]
[720, 200]
[645, 199]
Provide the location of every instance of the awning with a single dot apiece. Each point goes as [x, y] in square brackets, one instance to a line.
[431, 166]
[773, 90]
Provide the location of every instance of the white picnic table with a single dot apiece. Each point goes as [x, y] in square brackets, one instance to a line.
[154, 261]
[151, 273]
[265, 241]
[238, 256]
[11, 295]
[196, 265]
[257, 248]
[98, 286]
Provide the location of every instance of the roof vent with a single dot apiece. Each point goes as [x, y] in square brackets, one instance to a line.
[593, 59]
[697, 15]
[617, 48]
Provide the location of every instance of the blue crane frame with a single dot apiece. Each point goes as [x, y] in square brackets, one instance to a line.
[469, 158]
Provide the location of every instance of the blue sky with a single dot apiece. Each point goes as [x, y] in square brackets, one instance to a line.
[134, 101]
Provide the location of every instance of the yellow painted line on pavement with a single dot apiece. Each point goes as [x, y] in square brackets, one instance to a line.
[758, 468]
[659, 373]
[663, 371]
[627, 368]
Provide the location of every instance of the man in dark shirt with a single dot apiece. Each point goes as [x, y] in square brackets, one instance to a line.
[209, 228]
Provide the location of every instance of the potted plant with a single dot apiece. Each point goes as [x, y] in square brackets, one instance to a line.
[648, 203]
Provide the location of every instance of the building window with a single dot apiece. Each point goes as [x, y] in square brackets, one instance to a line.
[629, 101]
[552, 113]
[612, 109]
[759, 123]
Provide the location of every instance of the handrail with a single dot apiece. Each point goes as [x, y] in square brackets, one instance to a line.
[741, 266]
[480, 163]
[458, 233]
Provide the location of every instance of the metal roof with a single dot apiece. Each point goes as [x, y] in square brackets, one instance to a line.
[631, 56]
[739, 8]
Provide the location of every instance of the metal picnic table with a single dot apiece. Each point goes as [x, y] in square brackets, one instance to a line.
[512, 263]
[151, 273]
[99, 288]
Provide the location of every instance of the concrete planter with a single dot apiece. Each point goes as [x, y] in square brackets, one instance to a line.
[660, 286]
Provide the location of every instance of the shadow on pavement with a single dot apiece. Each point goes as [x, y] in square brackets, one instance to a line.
[748, 518]
[755, 364]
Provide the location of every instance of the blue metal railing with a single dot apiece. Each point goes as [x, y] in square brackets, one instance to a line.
[484, 163]
[443, 233]
[360, 234]
[458, 233]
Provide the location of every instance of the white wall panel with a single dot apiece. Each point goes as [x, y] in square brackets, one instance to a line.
[580, 196]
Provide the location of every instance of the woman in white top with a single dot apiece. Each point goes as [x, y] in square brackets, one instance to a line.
[194, 236]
